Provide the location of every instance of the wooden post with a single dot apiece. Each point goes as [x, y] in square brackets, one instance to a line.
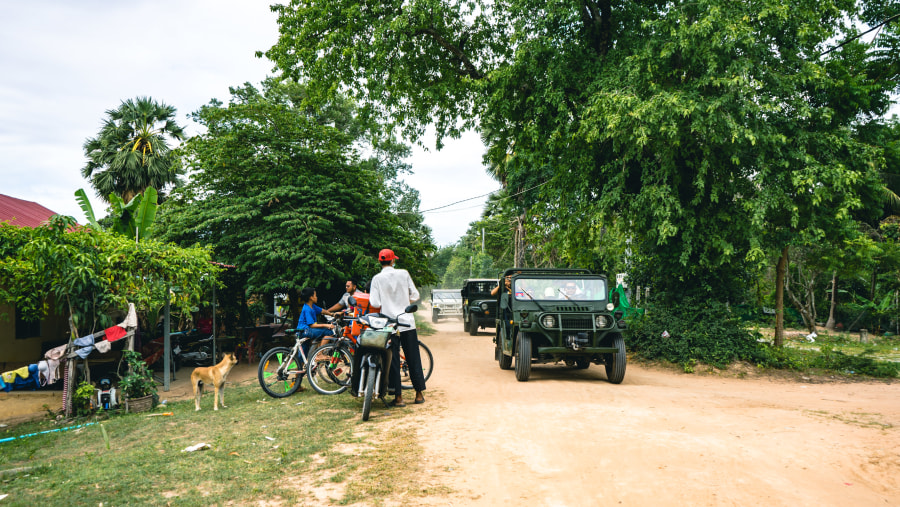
[167, 345]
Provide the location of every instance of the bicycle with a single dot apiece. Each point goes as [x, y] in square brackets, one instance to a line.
[375, 360]
[281, 369]
[330, 365]
[427, 366]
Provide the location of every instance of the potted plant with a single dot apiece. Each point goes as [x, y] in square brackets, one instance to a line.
[137, 387]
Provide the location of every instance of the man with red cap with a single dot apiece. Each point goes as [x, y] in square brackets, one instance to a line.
[393, 290]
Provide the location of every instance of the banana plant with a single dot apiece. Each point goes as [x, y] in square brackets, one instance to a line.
[132, 219]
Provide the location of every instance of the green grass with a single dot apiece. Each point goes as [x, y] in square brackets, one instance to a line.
[306, 449]
[881, 348]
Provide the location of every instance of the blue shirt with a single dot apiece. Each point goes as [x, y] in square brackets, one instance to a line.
[308, 316]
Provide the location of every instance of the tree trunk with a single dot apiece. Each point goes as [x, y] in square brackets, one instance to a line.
[519, 254]
[829, 325]
[779, 297]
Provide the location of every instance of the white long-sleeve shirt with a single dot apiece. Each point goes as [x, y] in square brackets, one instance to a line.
[393, 290]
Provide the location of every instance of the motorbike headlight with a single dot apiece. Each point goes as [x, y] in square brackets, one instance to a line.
[601, 321]
[484, 306]
[548, 321]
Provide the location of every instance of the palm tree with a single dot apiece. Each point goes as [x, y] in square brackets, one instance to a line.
[130, 153]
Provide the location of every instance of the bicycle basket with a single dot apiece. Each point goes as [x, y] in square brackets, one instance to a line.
[374, 338]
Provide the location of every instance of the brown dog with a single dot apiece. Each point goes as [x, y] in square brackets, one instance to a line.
[214, 375]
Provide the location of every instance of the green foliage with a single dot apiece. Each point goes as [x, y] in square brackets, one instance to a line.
[138, 382]
[466, 264]
[709, 134]
[698, 330]
[81, 399]
[131, 151]
[282, 191]
[133, 219]
[87, 273]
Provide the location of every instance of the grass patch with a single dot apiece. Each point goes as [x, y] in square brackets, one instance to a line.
[304, 449]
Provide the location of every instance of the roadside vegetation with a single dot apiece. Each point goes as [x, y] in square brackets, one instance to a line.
[693, 333]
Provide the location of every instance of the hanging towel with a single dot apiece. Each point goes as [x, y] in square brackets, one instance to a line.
[52, 371]
[44, 372]
[103, 346]
[83, 352]
[56, 353]
[130, 319]
[84, 341]
[114, 333]
[24, 372]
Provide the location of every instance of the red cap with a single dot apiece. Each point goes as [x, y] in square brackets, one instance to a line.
[387, 255]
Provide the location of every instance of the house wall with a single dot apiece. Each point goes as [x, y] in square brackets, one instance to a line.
[17, 353]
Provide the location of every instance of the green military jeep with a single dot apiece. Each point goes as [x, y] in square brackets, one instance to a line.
[479, 306]
[553, 315]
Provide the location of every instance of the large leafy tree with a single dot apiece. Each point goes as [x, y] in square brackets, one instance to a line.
[711, 132]
[132, 152]
[86, 273]
[283, 192]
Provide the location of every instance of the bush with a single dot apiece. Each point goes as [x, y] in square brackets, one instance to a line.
[697, 331]
[82, 399]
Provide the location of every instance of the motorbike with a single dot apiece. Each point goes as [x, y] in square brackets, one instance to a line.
[369, 378]
[188, 349]
[191, 349]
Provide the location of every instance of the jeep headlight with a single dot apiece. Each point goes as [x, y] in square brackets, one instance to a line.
[601, 321]
[609, 307]
[484, 306]
[548, 321]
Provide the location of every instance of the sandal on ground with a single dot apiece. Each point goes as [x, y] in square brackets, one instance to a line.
[395, 403]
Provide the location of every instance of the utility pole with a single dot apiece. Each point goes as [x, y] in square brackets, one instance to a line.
[482, 240]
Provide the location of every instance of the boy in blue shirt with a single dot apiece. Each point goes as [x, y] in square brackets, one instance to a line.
[306, 323]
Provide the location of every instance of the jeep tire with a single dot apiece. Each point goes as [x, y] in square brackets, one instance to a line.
[615, 363]
[435, 316]
[523, 357]
[473, 327]
[505, 361]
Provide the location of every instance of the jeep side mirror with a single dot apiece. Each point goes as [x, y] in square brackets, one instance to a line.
[411, 309]
[351, 300]
[463, 292]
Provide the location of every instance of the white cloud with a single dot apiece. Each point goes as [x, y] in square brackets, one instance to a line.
[65, 63]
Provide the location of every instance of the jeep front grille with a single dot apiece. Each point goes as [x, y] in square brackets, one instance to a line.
[577, 321]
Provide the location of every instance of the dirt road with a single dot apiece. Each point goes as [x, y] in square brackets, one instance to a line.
[570, 438]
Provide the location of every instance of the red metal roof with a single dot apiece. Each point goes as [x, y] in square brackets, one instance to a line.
[23, 213]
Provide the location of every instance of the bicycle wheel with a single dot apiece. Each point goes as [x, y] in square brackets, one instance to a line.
[427, 366]
[371, 373]
[285, 383]
[329, 368]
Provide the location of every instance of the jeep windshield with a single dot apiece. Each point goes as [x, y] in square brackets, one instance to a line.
[446, 297]
[560, 289]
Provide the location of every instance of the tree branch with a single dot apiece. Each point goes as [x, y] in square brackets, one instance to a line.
[596, 16]
[469, 68]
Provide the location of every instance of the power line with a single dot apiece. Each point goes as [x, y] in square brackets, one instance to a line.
[485, 195]
[851, 39]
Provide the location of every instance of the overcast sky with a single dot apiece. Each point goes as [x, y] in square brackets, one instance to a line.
[63, 64]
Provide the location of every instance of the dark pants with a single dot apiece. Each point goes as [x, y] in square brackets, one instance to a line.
[409, 340]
